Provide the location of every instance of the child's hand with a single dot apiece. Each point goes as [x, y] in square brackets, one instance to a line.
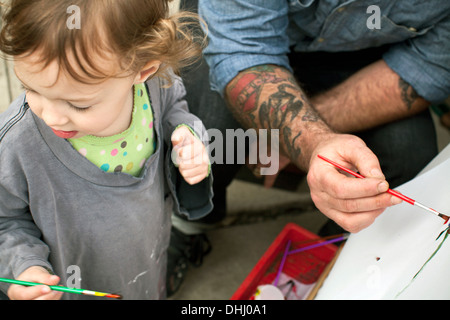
[35, 274]
[190, 155]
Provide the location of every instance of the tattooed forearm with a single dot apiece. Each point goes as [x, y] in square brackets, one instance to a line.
[244, 94]
[409, 95]
[265, 97]
[290, 143]
[268, 97]
[311, 116]
[279, 105]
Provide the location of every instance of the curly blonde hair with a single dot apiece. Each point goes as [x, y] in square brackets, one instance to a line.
[134, 31]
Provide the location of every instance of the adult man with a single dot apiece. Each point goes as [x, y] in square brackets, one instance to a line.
[249, 44]
[364, 69]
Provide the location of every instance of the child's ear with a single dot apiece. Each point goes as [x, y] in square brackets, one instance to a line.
[147, 71]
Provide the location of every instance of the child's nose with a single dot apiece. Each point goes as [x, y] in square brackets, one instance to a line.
[53, 114]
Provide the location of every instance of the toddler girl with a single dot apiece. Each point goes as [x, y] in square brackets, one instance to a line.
[87, 182]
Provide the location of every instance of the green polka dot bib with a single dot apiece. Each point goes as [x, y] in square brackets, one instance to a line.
[127, 151]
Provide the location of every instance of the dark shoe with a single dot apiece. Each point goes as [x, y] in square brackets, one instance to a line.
[184, 250]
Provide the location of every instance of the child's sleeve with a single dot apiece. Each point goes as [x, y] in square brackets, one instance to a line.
[175, 112]
[191, 201]
[20, 239]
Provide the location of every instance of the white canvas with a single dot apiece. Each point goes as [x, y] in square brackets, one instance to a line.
[381, 261]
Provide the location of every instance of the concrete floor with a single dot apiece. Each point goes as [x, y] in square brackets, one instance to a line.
[238, 247]
[256, 216]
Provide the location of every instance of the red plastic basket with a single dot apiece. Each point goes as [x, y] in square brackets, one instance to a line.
[304, 267]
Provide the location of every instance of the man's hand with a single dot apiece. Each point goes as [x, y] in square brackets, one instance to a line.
[39, 275]
[269, 180]
[352, 203]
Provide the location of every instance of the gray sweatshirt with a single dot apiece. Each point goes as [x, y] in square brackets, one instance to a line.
[106, 232]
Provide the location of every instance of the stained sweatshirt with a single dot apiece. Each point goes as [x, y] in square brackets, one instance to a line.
[97, 230]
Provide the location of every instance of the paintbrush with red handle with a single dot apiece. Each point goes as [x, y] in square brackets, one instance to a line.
[392, 192]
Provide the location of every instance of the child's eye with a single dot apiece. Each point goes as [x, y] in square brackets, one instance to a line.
[79, 109]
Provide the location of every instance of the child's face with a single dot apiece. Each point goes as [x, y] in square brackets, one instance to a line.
[73, 109]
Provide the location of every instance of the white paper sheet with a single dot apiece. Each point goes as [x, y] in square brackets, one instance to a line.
[381, 261]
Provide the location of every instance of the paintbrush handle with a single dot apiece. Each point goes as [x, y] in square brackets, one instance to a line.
[392, 192]
[29, 284]
[62, 289]
[401, 196]
[320, 244]
[353, 173]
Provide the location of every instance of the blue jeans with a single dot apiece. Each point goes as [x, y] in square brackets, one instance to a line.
[209, 106]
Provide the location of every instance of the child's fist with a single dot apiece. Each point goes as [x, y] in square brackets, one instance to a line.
[39, 275]
[190, 155]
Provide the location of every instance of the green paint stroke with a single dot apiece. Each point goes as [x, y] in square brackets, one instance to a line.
[445, 233]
